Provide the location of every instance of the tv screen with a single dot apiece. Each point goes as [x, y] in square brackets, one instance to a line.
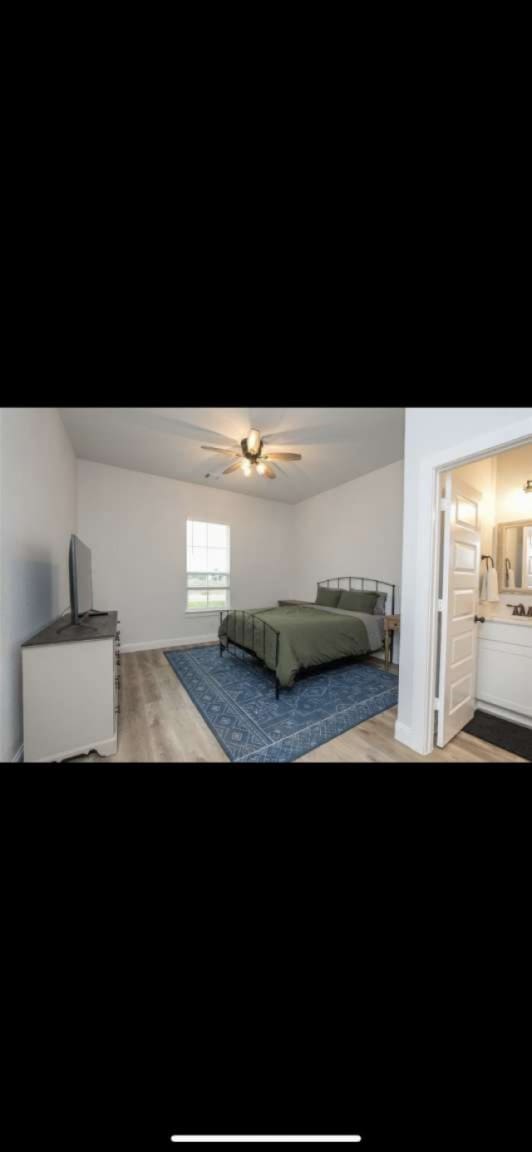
[80, 569]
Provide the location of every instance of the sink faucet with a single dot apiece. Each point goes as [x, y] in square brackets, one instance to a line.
[519, 610]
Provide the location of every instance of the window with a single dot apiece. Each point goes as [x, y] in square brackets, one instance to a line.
[208, 566]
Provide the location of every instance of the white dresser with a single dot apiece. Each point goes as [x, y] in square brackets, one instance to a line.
[71, 680]
[504, 667]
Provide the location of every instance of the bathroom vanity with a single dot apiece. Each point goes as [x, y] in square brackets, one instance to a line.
[504, 664]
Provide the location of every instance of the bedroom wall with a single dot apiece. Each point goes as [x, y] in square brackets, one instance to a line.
[434, 437]
[135, 525]
[37, 516]
[355, 529]
[352, 530]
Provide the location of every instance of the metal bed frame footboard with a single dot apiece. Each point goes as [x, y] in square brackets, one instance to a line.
[256, 625]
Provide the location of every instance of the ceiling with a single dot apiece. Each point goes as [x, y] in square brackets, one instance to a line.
[337, 444]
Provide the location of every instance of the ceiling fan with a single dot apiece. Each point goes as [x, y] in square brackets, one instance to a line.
[252, 457]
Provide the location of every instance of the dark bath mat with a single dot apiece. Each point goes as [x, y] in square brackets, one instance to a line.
[504, 733]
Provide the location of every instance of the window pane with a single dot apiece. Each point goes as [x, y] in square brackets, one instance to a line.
[217, 535]
[217, 560]
[197, 580]
[214, 580]
[199, 534]
[197, 560]
[197, 601]
[218, 599]
[218, 579]
[208, 566]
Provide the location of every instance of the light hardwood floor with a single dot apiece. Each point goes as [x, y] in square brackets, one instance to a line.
[159, 723]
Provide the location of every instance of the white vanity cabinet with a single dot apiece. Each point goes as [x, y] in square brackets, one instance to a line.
[504, 668]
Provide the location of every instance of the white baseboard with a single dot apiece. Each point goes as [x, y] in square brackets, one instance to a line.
[181, 642]
[403, 733]
[19, 755]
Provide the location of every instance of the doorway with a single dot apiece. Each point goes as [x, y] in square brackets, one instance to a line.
[496, 542]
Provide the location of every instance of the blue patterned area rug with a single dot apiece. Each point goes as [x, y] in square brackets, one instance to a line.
[236, 697]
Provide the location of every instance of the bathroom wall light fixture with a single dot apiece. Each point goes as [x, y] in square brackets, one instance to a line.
[528, 487]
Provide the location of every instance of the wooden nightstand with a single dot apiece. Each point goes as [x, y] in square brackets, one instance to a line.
[391, 625]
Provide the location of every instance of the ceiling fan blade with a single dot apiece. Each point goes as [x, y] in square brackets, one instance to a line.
[270, 436]
[224, 451]
[282, 456]
[232, 468]
[269, 472]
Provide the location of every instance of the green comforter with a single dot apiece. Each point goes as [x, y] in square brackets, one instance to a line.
[307, 636]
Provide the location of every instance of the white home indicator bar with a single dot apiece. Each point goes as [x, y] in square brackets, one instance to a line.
[266, 1139]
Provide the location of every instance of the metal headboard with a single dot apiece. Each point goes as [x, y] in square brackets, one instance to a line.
[364, 583]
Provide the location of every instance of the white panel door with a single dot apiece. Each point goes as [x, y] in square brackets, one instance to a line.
[461, 564]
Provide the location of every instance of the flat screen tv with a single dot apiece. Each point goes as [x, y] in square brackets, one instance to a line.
[80, 573]
[80, 579]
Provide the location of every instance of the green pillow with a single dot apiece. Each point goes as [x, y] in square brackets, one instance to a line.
[328, 597]
[358, 601]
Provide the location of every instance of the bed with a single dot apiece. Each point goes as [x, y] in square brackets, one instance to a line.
[290, 638]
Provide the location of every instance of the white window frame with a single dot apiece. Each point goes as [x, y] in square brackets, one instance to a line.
[225, 588]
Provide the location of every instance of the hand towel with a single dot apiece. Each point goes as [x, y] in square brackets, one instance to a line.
[484, 586]
[510, 578]
[493, 585]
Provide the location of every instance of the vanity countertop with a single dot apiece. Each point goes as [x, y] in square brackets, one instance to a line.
[501, 614]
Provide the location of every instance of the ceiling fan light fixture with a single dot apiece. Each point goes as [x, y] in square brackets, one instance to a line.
[252, 457]
[254, 441]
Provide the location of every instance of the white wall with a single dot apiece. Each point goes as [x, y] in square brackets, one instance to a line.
[434, 437]
[513, 469]
[135, 525]
[37, 515]
[352, 530]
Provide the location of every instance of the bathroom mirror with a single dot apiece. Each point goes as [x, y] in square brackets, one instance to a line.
[514, 556]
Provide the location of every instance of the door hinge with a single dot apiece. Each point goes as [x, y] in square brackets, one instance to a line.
[437, 704]
[440, 605]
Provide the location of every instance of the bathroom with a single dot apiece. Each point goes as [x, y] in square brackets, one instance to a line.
[503, 680]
